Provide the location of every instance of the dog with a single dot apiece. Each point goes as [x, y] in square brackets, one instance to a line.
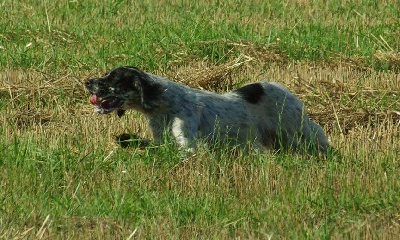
[263, 115]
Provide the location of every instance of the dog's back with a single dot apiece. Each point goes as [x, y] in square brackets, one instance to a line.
[280, 119]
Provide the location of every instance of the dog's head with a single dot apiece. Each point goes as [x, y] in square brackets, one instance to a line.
[120, 89]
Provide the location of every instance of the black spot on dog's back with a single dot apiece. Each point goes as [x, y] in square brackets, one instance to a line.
[252, 93]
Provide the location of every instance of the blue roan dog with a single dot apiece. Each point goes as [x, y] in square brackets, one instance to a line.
[263, 115]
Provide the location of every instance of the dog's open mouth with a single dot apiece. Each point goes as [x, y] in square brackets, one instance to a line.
[105, 104]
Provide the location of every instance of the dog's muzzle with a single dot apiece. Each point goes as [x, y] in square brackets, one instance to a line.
[104, 102]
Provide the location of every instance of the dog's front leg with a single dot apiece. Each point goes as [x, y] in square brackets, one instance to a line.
[158, 128]
[184, 133]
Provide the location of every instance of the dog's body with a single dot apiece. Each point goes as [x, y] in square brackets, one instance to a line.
[263, 115]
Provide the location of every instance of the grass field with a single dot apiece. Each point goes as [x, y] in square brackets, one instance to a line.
[62, 175]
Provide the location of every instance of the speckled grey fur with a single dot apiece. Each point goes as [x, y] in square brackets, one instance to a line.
[264, 115]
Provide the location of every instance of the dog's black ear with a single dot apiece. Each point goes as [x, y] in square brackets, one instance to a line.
[148, 90]
[138, 84]
[120, 112]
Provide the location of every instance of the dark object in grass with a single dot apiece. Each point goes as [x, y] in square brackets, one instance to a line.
[126, 140]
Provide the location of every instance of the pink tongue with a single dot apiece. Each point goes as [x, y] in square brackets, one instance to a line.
[93, 99]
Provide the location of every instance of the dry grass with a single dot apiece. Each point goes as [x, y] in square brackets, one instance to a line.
[337, 96]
